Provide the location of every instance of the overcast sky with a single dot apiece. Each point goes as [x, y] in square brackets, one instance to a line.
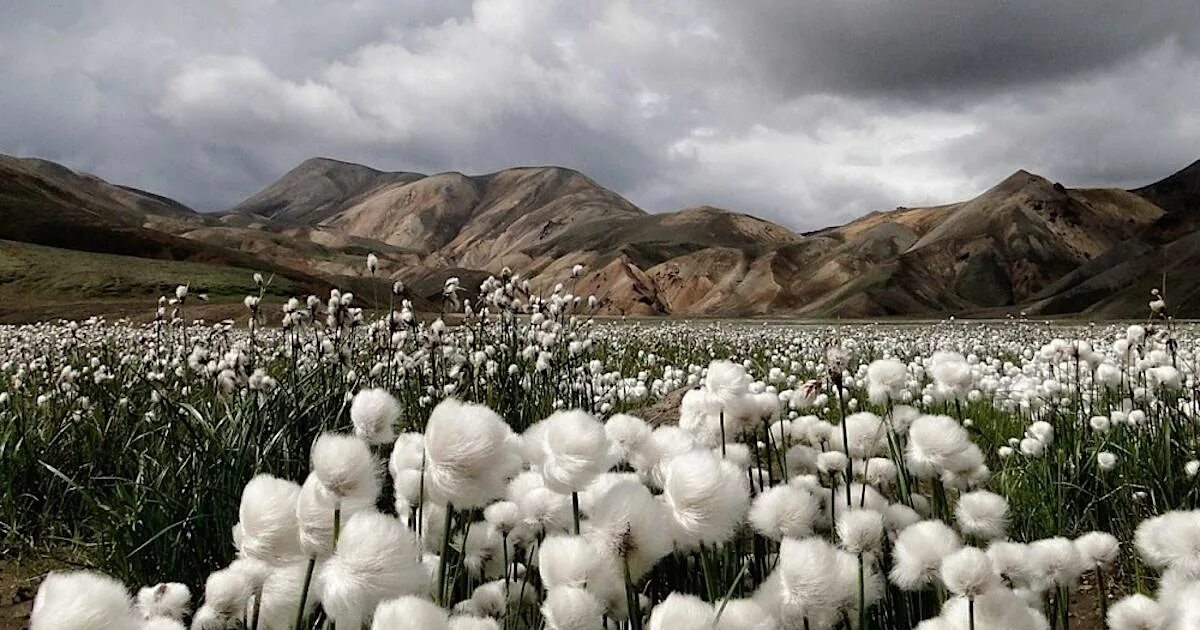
[807, 113]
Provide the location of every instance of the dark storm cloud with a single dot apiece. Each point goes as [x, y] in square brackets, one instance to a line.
[921, 48]
[803, 112]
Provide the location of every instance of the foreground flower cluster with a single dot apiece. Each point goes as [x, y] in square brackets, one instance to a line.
[741, 517]
[524, 468]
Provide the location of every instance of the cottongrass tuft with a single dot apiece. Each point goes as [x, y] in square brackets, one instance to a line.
[919, 551]
[376, 559]
[575, 450]
[784, 512]
[267, 521]
[374, 413]
[968, 572]
[681, 612]
[81, 600]
[626, 434]
[572, 608]
[170, 600]
[469, 455]
[707, 497]
[982, 515]
[410, 613]
[343, 464]
[627, 522]
[1137, 612]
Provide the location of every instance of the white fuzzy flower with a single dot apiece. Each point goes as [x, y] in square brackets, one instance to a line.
[267, 520]
[968, 572]
[860, 530]
[682, 612]
[81, 600]
[919, 551]
[1137, 612]
[707, 497]
[1098, 549]
[626, 434]
[575, 450]
[627, 521]
[344, 465]
[784, 512]
[572, 608]
[376, 559]
[982, 514]
[170, 600]
[410, 612]
[374, 413]
[469, 454]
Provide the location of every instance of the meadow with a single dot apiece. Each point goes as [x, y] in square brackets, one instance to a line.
[531, 466]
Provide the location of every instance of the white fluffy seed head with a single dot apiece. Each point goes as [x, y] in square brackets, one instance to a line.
[745, 614]
[860, 530]
[707, 497]
[626, 434]
[268, 522]
[968, 572]
[865, 435]
[281, 595]
[886, 380]
[627, 522]
[1170, 540]
[982, 515]
[682, 612]
[410, 612]
[170, 600]
[1056, 561]
[572, 608]
[703, 414]
[226, 592]
[81, 600]
[408, 453]
[470, 455]
[315, 507]
[996, 608]
[374, 413]
[937, 444]
[376, 559]
[804, 576]
[343, 464]
[785, 512]
[1136, 612]
[919, 551]
[575, 450]
[1099, 549]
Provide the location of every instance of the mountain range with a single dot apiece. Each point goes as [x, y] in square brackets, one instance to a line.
[1024, 245]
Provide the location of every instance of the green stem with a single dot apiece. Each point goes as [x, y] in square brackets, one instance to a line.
[308, 574]
[441, 592]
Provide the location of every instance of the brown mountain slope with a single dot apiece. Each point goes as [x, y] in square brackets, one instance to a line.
[1179, 196]
[1024, 244]
[47, 204]
[317, 189]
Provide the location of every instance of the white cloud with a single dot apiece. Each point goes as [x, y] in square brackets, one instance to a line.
[671, 103]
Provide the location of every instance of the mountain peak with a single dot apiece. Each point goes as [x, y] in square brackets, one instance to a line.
[1022, 180]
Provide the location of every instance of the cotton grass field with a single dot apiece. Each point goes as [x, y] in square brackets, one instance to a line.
[383, 470]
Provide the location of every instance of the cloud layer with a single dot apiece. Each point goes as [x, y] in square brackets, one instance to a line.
[806, 113]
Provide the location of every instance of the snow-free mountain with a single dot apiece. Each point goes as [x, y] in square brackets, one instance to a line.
[1025, 244]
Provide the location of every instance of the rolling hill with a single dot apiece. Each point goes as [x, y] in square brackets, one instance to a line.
[1025, 244]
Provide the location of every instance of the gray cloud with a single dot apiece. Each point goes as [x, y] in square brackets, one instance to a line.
[805, 113]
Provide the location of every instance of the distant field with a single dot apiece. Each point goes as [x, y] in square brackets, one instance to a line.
[38, 282]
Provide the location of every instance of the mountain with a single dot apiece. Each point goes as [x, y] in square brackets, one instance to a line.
[1179, 197]
[1025, 244]
[317, 189]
